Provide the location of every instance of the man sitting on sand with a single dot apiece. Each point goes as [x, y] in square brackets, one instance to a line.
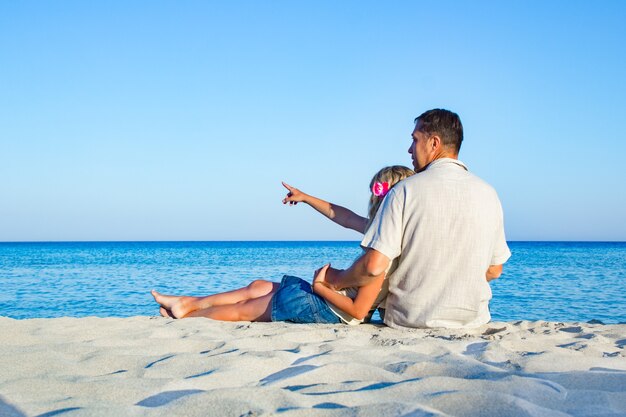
[445, 227]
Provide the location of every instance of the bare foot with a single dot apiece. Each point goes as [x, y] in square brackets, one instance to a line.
[164, 300]
[166, 313]
[177, 306]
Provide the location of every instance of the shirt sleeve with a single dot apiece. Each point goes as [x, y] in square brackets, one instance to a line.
[385, 232]
[501, 252]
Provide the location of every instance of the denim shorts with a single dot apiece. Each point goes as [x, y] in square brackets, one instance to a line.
[295, 302]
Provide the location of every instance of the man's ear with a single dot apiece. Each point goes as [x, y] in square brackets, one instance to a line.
[435, 143]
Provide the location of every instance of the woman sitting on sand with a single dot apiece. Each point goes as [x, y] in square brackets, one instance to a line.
[294, 299]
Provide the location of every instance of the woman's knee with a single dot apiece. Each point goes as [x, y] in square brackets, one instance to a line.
[260, 285]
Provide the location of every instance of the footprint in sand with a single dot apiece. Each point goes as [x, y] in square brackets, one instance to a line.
[215, 347]
[574, 329]
[573, 346]
[166, 397]
[200, 374]
[476, 348]
[219, 353]
[120, 371]
[9, 410]
[151, 364]
[287, 373]
[58, 412]
[301, 360]
[398, 368]
[493, 330]
[328, 406]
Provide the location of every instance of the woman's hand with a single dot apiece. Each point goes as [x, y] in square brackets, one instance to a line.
[294, 196]
[320, 275]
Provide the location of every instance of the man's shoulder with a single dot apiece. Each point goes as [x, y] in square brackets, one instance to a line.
[438, 181]
[475, 179]
[445, 172]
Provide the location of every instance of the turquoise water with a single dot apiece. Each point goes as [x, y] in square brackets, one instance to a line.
[555, 281]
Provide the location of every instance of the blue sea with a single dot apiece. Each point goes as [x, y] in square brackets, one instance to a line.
[554, 281]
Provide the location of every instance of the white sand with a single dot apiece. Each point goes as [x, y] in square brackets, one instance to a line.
[197, 367]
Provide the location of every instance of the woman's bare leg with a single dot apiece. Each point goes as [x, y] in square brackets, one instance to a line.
[181, 306]
[254, 309]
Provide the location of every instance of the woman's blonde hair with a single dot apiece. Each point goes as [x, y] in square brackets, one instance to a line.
[391, 175]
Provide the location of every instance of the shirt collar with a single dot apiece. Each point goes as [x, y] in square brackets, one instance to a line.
[445, 161]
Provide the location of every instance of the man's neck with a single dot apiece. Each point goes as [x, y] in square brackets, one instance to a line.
[444, 153]
[441, 155]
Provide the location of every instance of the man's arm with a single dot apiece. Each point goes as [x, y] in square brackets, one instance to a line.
[493, 272]
[370, 266]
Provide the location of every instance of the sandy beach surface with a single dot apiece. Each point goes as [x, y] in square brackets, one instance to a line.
[149, 366]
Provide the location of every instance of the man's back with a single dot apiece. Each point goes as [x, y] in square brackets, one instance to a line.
[446, 226]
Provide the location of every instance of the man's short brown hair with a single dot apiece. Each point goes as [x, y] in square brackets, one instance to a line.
[443, 123]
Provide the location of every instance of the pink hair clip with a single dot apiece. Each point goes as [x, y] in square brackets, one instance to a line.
[380, 189]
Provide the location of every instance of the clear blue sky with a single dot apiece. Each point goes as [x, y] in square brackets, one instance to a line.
[165, 120]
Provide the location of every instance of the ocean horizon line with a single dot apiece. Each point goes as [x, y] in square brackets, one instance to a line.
[273, 241]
